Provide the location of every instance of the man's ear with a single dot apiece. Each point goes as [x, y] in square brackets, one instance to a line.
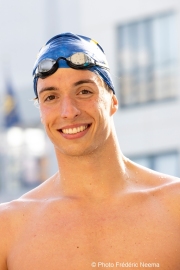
[42, 121]
[114, 104]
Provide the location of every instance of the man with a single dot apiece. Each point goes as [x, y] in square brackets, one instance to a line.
[100, 210]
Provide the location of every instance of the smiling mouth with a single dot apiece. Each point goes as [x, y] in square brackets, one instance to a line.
[74, 130]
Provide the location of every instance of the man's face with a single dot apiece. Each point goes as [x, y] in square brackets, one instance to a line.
[76, 110]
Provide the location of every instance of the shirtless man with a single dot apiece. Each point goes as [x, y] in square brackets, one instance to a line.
[100, 210]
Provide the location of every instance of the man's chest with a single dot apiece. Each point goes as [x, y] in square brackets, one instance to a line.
[76, 240]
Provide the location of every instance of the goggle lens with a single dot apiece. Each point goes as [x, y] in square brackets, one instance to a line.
[46, 65]
[80, 59]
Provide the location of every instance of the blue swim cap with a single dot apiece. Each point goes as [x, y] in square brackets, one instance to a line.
[65, 45]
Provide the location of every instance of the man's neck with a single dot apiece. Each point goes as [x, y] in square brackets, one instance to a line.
[96, 174]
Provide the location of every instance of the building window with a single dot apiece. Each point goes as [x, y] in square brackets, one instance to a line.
[165, 163]
[147, 58]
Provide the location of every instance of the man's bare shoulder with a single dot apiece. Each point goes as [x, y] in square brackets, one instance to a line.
[15, 214]
[169, 194]
[164, 188]
[8, 212]
[13, 211]
[152, 178]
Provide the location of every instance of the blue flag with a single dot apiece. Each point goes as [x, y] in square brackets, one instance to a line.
[11, 113]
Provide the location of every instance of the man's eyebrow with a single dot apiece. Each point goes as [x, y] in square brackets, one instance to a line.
[83, 81]
[50, 88]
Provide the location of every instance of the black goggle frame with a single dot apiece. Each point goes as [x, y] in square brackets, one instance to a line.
[76, 61]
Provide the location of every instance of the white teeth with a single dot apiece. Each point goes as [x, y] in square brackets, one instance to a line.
[74, 130]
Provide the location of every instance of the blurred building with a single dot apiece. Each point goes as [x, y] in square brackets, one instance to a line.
[141, 41]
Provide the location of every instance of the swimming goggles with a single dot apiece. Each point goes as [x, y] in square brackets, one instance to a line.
[78, 60]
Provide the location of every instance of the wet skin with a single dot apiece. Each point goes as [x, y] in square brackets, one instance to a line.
[100, 206]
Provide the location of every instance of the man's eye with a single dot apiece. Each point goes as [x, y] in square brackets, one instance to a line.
[84, 92]
[51, 97]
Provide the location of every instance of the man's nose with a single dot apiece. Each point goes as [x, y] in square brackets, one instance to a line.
[69, 108]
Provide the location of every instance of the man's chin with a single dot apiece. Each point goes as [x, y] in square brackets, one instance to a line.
[74, 152]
